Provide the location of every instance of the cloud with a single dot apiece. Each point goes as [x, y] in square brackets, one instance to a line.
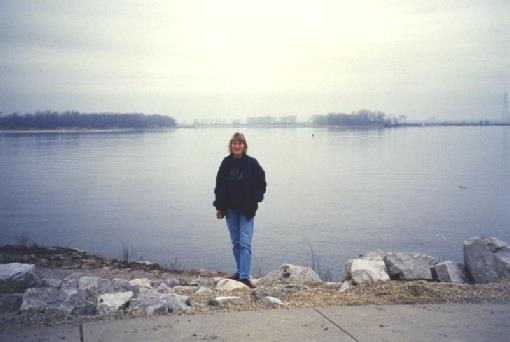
[294, 57]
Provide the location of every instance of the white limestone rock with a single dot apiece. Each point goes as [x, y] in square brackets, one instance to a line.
[94, 285]
[345, 286]
[69, 282]
[80, 301]
[487, 259]
[163, 288]
[16, 277]
[217, 279]
[332, 283]
[288, 273]
[177, 302]
[374, 255]
[203, 290]
[141, 283]
[170, 282]
[224, 301]
[155, 303]
[229, 285]
[409, 266]
[50, 282]
[122, 285]
[451, 272]
[272, 302]
[365, 270]
[280, 291]
[41, 299]
[112, 302]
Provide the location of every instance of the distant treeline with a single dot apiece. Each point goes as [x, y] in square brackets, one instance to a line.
[73, 119]
[360, 118]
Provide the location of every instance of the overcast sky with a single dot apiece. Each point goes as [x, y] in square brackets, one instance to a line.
[228, 59]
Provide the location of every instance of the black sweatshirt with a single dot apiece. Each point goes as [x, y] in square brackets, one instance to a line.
[240, 184]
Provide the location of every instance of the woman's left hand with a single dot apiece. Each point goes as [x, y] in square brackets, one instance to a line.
[219, 215]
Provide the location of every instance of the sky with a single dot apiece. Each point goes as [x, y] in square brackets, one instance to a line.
[234, 59]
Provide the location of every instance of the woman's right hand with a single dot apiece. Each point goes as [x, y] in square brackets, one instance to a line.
[219, 215]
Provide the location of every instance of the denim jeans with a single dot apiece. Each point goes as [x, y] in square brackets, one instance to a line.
[241, 233]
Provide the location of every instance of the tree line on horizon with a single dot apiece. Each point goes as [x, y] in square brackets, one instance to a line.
[75, 119]
[362, 117]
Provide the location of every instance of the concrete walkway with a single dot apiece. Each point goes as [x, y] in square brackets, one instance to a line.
[447, 322]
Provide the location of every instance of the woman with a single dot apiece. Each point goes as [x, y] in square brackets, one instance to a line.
[240, 185]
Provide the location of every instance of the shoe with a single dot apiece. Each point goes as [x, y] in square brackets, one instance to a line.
[234, 276]
[247, 282]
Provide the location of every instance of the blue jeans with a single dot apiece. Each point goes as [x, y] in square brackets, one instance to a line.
[241, 233]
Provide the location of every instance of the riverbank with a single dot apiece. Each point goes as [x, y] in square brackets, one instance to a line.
[202, 292]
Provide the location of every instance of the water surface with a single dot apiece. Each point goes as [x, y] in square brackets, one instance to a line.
[342, 192]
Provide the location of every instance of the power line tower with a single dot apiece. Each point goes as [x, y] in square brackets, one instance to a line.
[505, 117]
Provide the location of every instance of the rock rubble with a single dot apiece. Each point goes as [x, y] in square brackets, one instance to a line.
[27, 291]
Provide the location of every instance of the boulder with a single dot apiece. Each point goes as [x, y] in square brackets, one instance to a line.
[288, 273]
[203, 290]
[163, 288]
[409, 266]
[10, 302]
[177, 302]
[141, 283]
[66, 300]
[332, 283]
[16, 277]
[229, 285]
[43, 298]
[272, 302]
[451, 272]
[112, 302]
[345, 286]
[122, 285]
[155, 303]
[224, 301]
[374, 255]
[94, 285]
[170, 282]
[365, 270]
[69, 282]
[281, 291]
[487, 259]
[79, 301]
[50, 282]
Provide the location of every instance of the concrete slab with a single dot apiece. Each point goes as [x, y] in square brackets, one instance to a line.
[445, 322]
[265, 325]
[461, 322]
[65, 332]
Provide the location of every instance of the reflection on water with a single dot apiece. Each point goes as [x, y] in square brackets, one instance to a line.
[343, 191]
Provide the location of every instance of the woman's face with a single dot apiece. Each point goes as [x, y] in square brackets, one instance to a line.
[237, 148]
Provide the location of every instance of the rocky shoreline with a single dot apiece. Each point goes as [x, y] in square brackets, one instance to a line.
[52, 285]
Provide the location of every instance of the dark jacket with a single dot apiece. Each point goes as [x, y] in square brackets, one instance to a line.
[253, 186]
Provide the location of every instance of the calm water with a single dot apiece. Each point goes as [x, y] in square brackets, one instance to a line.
[344, 192]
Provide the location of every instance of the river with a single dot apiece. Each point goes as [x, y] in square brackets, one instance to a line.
[332, 193]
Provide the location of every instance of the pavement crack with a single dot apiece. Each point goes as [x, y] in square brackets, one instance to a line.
[336, 325]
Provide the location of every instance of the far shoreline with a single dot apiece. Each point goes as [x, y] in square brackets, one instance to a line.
[84, 130]
[243, 126]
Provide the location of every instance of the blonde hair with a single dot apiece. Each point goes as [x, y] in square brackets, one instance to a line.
[238, 137]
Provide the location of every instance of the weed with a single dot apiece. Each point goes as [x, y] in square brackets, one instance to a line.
[174, 265]
[258, 265]
[22, 239]
[324, 272]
